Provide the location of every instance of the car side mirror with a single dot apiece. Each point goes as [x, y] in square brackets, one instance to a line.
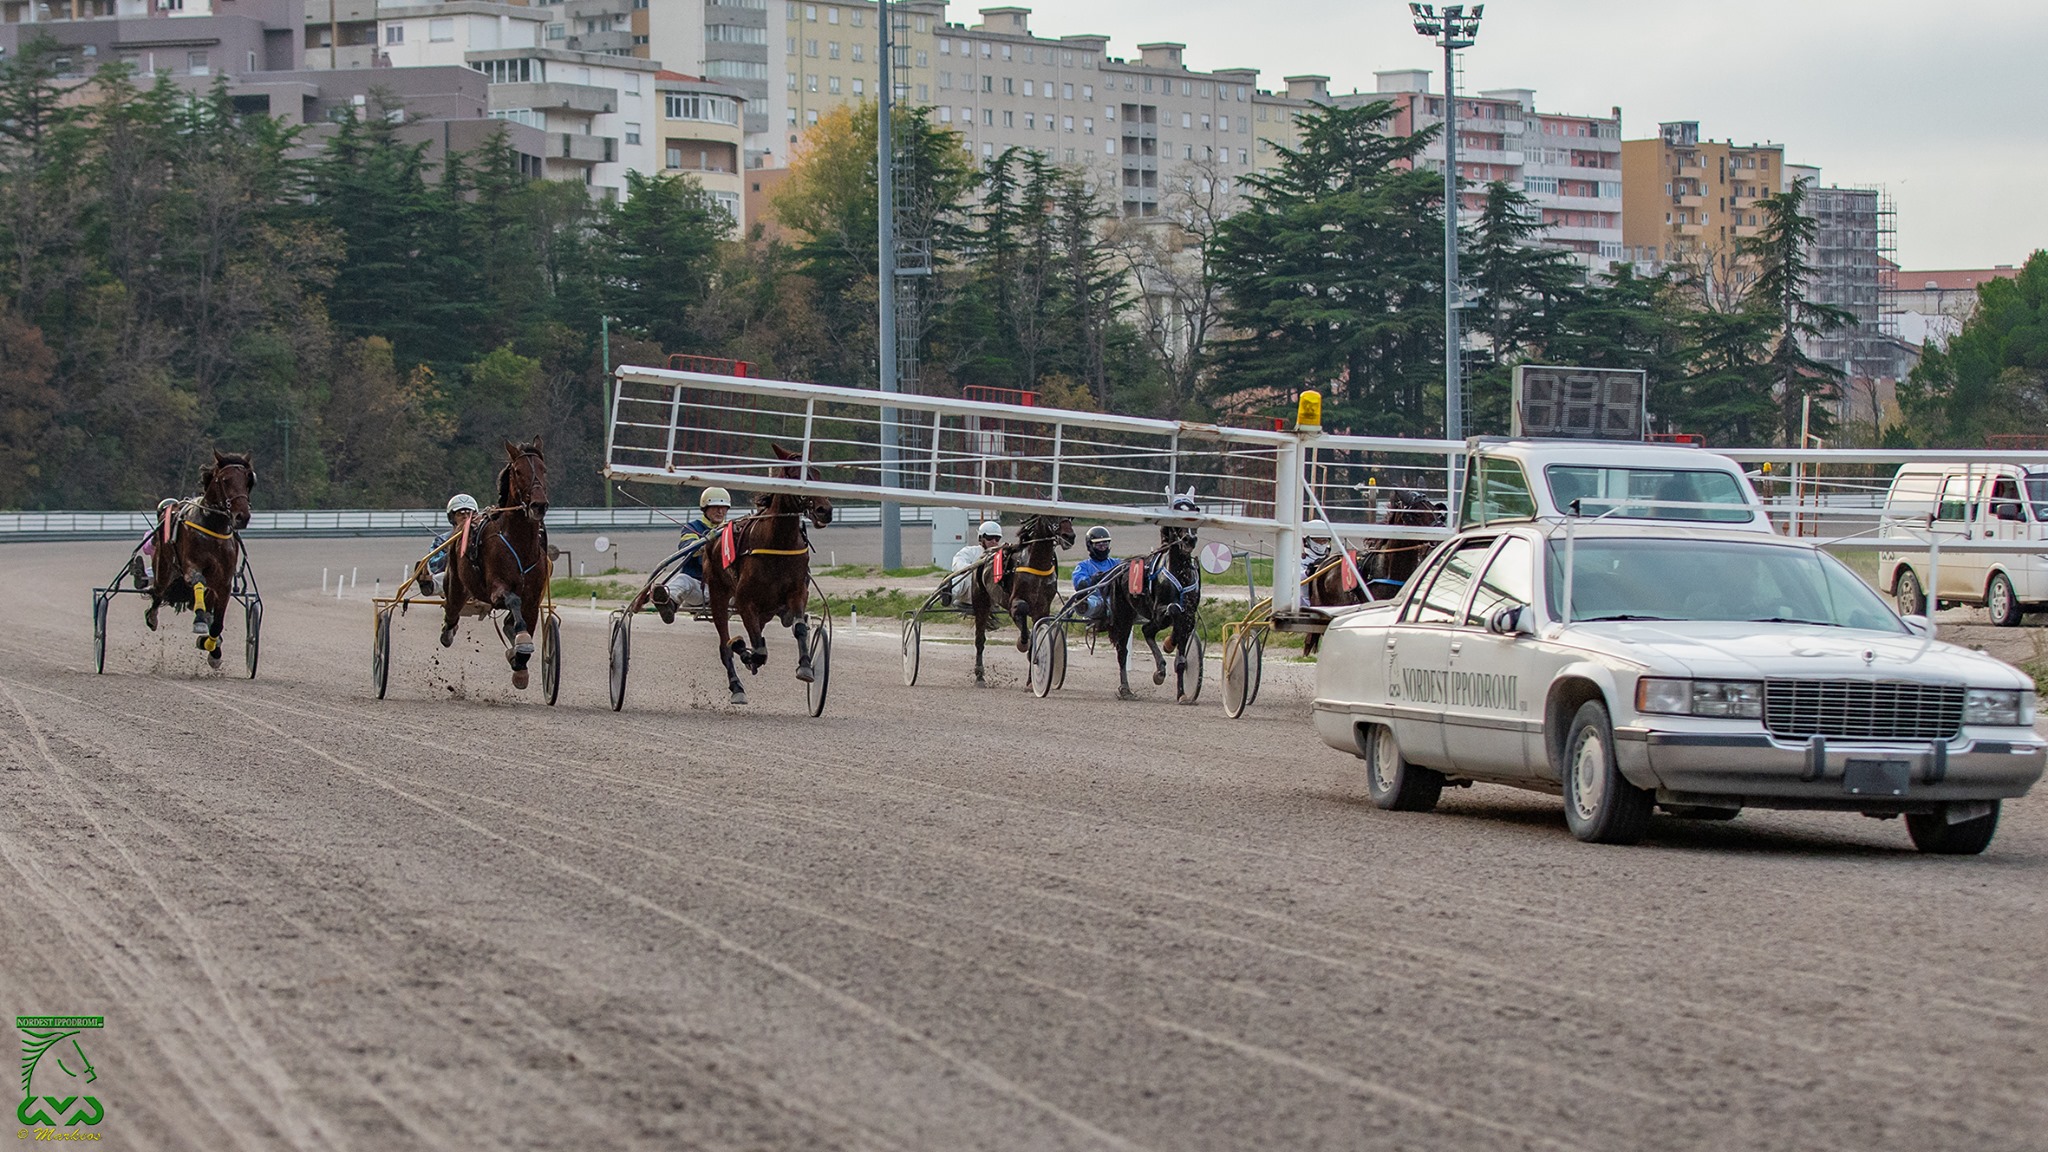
[2006, 510]
[1512, 620]
[1918, 625]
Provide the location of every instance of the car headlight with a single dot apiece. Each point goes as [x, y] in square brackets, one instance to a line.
[1742, 699]
[2008, 709]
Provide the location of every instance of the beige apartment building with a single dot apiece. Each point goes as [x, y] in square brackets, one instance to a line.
[1687, 200]
[698, 134]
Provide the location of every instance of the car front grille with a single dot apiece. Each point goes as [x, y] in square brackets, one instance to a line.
[1862, 710]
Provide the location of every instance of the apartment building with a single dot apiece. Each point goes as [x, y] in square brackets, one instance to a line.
[595, 111]
[1931, 306]
[187, 38]
[1689, 200]
[699, 133]
[1568, 165]
[828, 61]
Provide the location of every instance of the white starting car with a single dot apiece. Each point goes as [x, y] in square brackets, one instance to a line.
[1702, 668]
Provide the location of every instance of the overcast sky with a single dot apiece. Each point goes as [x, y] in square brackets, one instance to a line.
[1943, 103]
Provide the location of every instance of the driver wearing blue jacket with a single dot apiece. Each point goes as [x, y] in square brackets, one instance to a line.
[1089, 573]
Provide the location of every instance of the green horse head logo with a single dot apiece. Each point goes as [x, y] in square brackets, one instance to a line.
[52, 1045]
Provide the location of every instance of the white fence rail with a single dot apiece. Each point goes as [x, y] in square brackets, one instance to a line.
[21, 527]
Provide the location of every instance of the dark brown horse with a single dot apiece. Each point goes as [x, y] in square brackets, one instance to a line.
[198, 551]
[1168, 593]
[760, 566]
[1020, 579]
[1388, 564]
[500, 561]
[1328, 583]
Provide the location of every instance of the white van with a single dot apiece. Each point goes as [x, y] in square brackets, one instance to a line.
[1958, 502]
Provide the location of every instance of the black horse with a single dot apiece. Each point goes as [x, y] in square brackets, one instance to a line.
[1160, 592]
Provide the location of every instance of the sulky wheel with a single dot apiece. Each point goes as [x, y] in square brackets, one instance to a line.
[99, 633]
[1191, 680]
[252, 634]
[1048, 645]
[380, 654]
[1237, 673]
[1257, 665]
[913, 637]
[551, 657]
[821, 666]
[621, 655]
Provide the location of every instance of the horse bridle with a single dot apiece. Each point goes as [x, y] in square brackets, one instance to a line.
[525, 505]
[217, 470]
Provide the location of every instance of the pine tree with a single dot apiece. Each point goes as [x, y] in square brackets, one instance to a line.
[1780, 295]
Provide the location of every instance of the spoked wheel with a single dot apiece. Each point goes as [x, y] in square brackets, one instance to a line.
[913, 637]
[380, 654]
[99, 633]
[252, 639]
[821, 665]
[1048, 657]
[1237, 673]
[1191, 680]
[1257, 654]
[621, 655]
[551, 657]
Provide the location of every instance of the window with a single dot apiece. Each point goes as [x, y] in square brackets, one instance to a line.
[1205, 122]
[831, 15]
[1010, 121]
[988, 83]
[1027, 88]
[811, 85]
[558, 31]
[1496, 489]
[924, 59]
[985, 50]
[737, 34]
[1509, 580]
[1444, 599]
[945, 46]
[860, 18]
[1028, 121]
[811, 49]
[1006, 51]
[832, 85]
[832, 50]
[789, 45]
[1009, 86]
[988, 117]
[736, 70]
[632, 132]
[508, 71]
[395, 34]
[1599, 491]
[526, 116]
[1088, 92]
[860, 51]
[811, 117]
[1088, 126]
[1187, 121]
[440, 30]
[1958, 499]
[811, 13]
[1066, 122]
[792, 81]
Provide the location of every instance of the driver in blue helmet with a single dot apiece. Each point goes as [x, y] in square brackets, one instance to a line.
[1089, 573]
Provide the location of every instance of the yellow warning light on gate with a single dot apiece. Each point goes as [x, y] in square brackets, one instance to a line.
[1308, 412]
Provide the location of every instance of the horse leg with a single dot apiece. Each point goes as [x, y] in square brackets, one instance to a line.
[454, 594]
[721, 618]
[1158, 659]
[1020, 613]
[522, 637]
[980, 640]
[1120, 639]
[754, 621]
[802, 630]
[202, 619]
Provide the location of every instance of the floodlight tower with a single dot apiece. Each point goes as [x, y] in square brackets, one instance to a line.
[1452, 29]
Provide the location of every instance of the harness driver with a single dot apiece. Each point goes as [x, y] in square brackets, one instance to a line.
[685, 589]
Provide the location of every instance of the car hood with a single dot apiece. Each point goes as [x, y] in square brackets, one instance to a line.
[1744, 650]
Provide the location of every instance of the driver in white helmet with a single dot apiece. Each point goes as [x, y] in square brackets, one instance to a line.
[461, 508]
[1315, 551]
[686, 588]
[988, 540]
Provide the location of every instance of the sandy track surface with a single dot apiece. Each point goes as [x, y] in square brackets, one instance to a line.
[936, 918]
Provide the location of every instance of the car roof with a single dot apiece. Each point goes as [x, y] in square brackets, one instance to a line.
[1619, 453]
[1584, 529]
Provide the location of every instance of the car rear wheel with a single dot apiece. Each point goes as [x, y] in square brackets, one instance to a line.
[1932, 833]
[1907, 595]
[1600, 805]
[2000, 601]
[1394, 783]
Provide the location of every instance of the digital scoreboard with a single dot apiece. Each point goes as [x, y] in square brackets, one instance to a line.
[1580, 403]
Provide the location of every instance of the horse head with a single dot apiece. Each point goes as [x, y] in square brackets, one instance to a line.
[1059, 529]
[523, 482]
[1411, 509]
[818, 508]
[226, 484]
[1180, 538]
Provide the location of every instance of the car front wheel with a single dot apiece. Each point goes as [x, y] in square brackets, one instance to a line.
[2000, 601]
[1600, 805]
[1932, 833]
[1394, 783]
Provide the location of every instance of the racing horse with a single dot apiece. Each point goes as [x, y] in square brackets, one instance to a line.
[198, 551]
[500, 561]
[1389, 563]
[760, 566]
[1020, 578]
[1330, 584]
[1159, 592]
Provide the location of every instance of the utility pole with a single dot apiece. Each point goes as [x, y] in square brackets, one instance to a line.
[604, 388]
[1453, 30]
[885, 281]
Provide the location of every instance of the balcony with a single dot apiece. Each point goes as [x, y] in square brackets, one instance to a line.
[616, 41]
[579, 149]
[587, 99]
[350, 11]
[596, 9]
[350, 56]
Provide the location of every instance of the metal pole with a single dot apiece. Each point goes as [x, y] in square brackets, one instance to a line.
[605, 326]
[1454, 385]
[885, 283]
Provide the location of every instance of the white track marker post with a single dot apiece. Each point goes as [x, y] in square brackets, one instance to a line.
[323, 581]
[351, 577]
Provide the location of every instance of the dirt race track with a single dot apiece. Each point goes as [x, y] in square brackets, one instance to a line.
[936, 918]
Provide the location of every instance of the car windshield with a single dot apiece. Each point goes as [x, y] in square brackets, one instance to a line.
[1713, 580]
[2037, 495]
[1602, 490]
